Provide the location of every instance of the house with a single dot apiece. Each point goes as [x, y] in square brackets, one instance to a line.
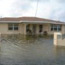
[30, 25]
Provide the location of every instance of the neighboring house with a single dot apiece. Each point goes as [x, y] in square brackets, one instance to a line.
[30, 25]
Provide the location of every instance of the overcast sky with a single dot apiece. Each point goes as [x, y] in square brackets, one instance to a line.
[52, 9]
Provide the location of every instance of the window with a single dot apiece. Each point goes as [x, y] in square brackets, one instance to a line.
[59, 27]
[40, 28]
[12, 26]
[55, 27]
[15, 26]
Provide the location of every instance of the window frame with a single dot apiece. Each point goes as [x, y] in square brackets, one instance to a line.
[58, 27]
[13, 26]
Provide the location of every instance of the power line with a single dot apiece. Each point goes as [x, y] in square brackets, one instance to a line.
[36, 8]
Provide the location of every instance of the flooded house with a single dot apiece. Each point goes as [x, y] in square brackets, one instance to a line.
[30, 25]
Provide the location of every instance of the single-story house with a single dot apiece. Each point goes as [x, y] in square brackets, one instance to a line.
[30, 25]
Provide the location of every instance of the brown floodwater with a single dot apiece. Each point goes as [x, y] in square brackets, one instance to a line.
[30, 50]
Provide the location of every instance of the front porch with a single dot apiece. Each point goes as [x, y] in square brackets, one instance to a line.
[33, 29]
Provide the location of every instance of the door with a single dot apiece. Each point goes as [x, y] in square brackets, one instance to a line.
[34, 29]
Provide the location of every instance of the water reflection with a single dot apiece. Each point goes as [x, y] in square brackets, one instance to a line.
[30, 50]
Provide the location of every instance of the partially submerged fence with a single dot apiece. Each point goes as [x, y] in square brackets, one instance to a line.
[59, 39]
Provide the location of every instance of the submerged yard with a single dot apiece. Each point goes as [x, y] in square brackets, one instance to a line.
[22, 50]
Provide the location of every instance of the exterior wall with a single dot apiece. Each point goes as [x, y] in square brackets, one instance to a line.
[46, 27]
[52, 32]
[63, 29]
[4, 29]
[22, 29]
[37, 28]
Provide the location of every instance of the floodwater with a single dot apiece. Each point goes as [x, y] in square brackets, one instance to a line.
[22, 50]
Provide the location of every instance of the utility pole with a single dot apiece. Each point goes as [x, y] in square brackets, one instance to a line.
[36, 8]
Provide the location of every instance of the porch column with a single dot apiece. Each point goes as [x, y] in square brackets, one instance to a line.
[24, 29]
[37, 29]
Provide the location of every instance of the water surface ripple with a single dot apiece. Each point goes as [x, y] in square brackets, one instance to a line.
[30, 51]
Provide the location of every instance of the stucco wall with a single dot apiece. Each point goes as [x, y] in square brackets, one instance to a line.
[4, 29]
[63, 29]
[52, 32]
[22, 29]
[47, 27]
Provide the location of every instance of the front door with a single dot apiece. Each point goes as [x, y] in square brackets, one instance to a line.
[34, 29]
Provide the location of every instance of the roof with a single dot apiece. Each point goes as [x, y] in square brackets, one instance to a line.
[24, 19]
[11, 19]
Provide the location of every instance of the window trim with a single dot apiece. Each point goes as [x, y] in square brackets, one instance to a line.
[57, 26]
[13, 27]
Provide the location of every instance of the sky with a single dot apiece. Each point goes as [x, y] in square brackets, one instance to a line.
[49, 9]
